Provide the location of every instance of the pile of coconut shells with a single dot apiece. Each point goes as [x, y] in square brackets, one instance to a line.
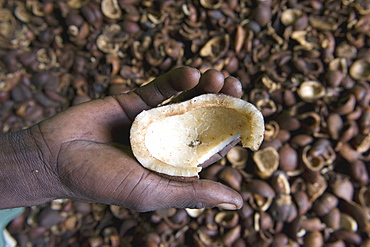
[304, 64]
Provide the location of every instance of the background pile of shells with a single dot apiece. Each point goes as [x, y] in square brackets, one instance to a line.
[304, 64]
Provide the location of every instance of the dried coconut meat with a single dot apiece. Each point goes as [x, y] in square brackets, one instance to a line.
[176, 139]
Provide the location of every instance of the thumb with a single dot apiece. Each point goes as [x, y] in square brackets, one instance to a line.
[195, 194]
[207, 193]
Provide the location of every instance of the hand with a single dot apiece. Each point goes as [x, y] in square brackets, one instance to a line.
[87, 158]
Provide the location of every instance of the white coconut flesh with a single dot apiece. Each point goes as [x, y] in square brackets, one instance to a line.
[175, 139]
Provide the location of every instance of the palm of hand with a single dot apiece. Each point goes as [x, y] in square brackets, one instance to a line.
[94, 167]
[86, 148]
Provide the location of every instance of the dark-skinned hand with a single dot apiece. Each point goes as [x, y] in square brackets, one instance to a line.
[83, 152]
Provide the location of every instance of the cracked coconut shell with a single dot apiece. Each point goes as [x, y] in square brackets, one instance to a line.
[177, 139]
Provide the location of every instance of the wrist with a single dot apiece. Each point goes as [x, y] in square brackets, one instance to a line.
[26, 177]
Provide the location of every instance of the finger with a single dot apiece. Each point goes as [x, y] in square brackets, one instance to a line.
[196, 194]
[232, 87]
[125, 182]
[160, 89]
[212, 81]
[168, 85]
[207, 193]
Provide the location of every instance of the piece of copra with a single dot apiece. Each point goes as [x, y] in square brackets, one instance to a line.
[177, 139]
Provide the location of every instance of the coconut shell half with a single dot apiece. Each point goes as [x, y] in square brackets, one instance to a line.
[176, 139]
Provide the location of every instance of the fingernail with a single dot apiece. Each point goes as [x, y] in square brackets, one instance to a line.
[227, 206]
